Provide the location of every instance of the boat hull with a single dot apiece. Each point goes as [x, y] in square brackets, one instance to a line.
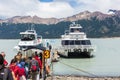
[32, 47]
[76, 55]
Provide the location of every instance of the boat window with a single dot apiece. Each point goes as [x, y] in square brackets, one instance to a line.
[83, 42]
[75, 30]
[27, 37]
[77, 42]
[88, 42]
[71, 42]
[65, 42]
[71, 30]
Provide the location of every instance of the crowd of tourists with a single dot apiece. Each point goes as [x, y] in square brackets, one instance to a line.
[22, 67]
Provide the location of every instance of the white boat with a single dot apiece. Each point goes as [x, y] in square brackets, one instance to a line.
[75, 43]
[29, 39]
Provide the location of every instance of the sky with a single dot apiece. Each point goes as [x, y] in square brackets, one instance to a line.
[54, 8]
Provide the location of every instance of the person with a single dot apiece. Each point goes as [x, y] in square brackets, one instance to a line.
[5, 73]
[40, 64]
[5, 61]
[34, 65]
[40, 55]
[50, 47]
[19, 54]
[47, 65]
[27, 67]
[18, 58]
[38, 59]
[20, 71]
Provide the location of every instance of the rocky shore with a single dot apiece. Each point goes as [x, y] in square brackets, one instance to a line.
[81, 78]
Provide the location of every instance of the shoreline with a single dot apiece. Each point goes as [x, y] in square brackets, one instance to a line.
[60, 77]
[60, 38]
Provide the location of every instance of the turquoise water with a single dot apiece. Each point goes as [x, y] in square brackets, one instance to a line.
[106, 60]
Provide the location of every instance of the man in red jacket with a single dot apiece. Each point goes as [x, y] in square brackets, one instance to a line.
[5, 61]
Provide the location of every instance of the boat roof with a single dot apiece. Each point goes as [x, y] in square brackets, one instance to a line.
[77, 33]
[28, 32]
[75, 39]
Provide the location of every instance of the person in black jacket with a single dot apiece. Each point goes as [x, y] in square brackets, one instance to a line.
[5, 73]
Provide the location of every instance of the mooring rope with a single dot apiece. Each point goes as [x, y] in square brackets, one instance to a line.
[79, 69]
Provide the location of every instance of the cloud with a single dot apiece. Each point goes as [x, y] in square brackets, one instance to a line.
[54, 8]
[10, 8]
[98, 5]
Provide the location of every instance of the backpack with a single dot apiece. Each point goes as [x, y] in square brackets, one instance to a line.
[21, 70]
[4, 74]
[34, 67]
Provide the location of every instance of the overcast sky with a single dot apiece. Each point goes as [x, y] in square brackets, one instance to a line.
[54, 8]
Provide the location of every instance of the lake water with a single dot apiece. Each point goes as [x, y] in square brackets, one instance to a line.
[104, 63]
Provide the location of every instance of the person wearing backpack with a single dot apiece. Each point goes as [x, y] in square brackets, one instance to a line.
[5, 73]
[34, 68]
[12, 66]
[19, 70]
[5, 61]
[40, 64]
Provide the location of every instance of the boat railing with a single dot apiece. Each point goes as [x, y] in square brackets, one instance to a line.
[82, 47]
[66, 32]
[79, 47]
[74, 24]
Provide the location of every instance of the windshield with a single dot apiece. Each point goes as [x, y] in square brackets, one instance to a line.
[75, 30]
[76, 42]
[27, 37]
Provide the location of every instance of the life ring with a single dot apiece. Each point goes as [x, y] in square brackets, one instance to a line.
[76, 50]
[79, 50]
[69, 50]
[85, 50]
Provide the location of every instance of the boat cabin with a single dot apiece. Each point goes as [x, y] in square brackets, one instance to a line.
[75, 28]
[28, 35]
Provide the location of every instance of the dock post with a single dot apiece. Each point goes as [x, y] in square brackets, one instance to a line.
[52, 71]
[43, 67]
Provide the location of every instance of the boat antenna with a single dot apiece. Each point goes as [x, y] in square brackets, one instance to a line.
[28, 27]
[32, 26]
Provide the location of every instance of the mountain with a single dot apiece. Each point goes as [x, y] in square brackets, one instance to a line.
[95, 25]
[38, 20]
